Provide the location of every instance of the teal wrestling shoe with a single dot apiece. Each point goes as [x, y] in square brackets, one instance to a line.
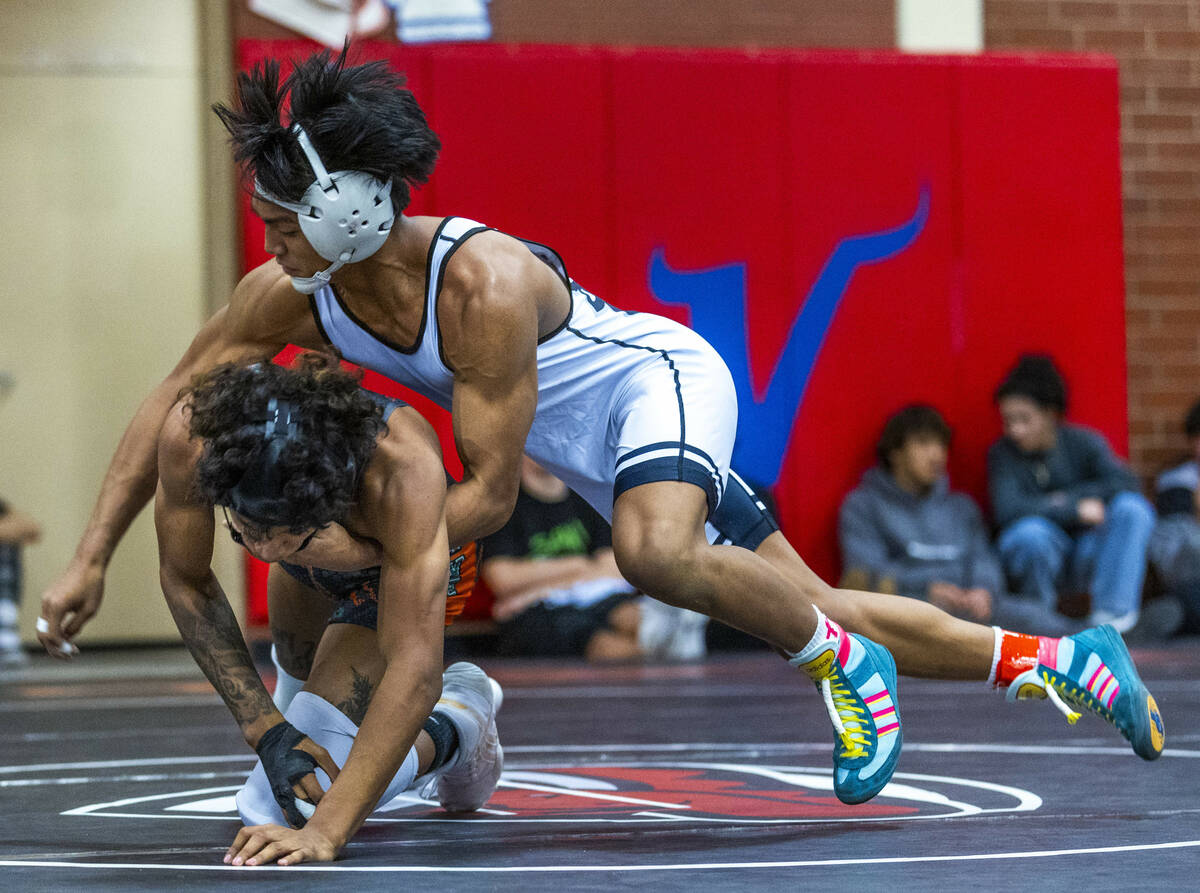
[1092, 671]
[857, 679]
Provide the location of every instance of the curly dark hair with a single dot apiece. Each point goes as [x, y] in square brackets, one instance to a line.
[914, 420]
[283, 446]
[1035, 377]
[359, 118]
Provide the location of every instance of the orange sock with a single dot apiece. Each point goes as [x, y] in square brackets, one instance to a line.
[1015, 653]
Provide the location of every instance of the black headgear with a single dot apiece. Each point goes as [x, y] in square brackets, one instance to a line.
[258, 496]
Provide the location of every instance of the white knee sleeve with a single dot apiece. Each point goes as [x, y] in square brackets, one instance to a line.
[286, 685]
[333, 730]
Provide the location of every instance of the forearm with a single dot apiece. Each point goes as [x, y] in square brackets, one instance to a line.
[403, 700]
[211, 632]
[130, 480]
[473, 510]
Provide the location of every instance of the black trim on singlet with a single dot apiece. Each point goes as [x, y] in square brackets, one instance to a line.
[416, 345]
[651, 447]
[316, 315]
[689, 471]
[561, 272]
[399, 348]
[566, 320]
[674, 372]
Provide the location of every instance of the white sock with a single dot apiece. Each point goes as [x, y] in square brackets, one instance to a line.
[827, 633]
[286, 685]
[999, 633]
[333, 730]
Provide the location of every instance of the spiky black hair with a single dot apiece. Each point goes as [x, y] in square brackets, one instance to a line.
[358, 117]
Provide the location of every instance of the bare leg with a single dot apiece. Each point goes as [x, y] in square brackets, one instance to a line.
[768, 593]
[925, 641]
[660, 547]
[298, 616]
[345, 672]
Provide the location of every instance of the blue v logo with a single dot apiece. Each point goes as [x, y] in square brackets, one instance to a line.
[717, 298]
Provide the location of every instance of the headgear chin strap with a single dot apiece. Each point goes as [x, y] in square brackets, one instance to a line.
[346, 216]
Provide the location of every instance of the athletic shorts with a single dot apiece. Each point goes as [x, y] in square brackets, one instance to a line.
[356, 593]
[547, 630]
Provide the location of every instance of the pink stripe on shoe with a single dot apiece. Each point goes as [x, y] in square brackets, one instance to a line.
[1100, 669]
[1113, 696]
[875, 697]
[887, 729]
[1048, 651]
[843, 647]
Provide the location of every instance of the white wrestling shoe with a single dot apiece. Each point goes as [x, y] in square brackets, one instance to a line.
[470, 700]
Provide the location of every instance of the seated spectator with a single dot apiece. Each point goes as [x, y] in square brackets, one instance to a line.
[558, 591]
[902, 530]
[1175, 542]
[17, 530]
[1070, 515]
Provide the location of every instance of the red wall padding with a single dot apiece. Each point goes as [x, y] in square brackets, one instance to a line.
[769, 160]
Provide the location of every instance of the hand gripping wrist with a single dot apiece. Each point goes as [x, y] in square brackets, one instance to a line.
[285, 765]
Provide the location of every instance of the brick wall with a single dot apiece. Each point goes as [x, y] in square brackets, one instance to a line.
[1157, 45]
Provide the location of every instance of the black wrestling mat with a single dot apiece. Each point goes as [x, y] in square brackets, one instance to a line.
[119, 775]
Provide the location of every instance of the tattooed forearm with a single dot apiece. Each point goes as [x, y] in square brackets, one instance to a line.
[211, 632]
[356, 705]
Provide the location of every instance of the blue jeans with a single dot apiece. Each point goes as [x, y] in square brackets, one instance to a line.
[1108, 561]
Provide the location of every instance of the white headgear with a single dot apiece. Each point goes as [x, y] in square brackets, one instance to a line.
[346, 216]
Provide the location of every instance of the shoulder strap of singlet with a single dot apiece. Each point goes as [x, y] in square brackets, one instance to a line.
[387, 405]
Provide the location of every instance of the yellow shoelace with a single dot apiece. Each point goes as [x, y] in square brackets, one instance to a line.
[846, 712]
[1076, 696]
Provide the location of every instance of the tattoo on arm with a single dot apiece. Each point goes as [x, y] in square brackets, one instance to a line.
[211, 632]
[355, 706]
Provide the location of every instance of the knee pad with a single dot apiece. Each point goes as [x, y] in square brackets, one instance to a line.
[333, 730]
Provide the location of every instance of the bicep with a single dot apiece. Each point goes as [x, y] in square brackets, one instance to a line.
[491, 346]
[492, 414]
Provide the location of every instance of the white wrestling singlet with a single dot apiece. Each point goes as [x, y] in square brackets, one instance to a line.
[624, 398]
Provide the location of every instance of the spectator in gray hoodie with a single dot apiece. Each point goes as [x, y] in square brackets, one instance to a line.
[1070, 513]
[903, 531]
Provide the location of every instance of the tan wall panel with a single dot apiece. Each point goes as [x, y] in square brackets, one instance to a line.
[103, 252]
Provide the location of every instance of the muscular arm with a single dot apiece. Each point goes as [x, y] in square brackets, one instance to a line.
[201, 611]
[490, 331]
[260, 319]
